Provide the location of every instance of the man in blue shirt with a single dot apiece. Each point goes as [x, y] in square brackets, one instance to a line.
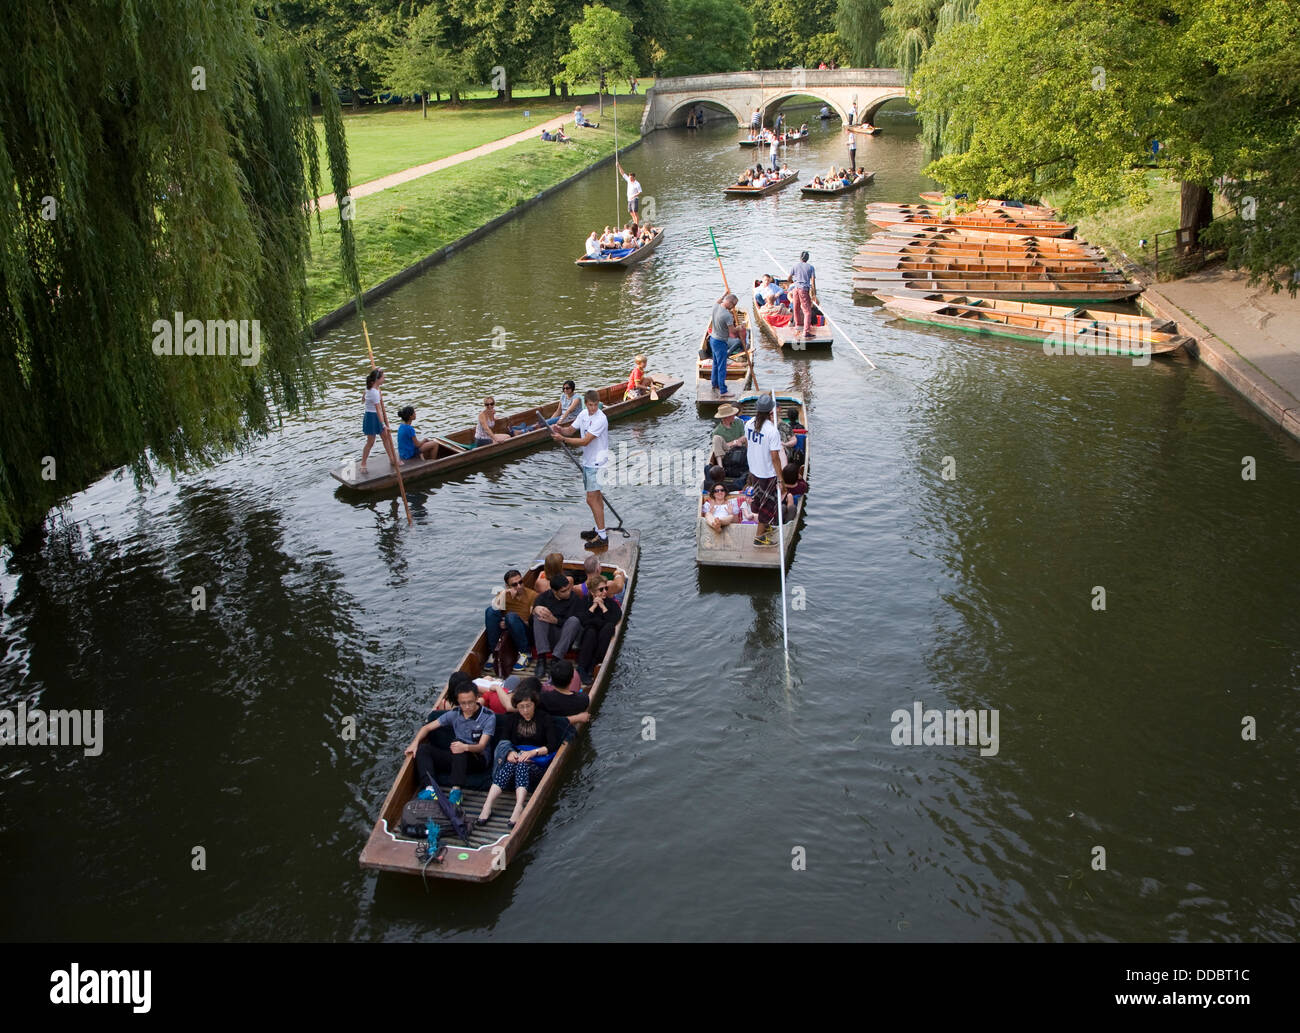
[473, 726]
[803, 281]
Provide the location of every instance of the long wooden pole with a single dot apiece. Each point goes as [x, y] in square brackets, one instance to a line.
[618, 208]
[387, 435]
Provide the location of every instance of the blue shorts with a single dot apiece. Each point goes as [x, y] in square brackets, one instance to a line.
[372, 424]
[590, 478]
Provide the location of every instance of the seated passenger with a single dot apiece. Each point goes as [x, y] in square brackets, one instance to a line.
[408, 445]
[485, 432]
[718, 510]
[556, 624]
[473, 726]
[511, 610]
[793, 488]
[600, 619]
[551, 566]
[636, 381]
[562, 696]
[817, 182]
[591, 570]
[568, 406]
[523, 734]
[593, 245]
[716, 475]
[728, 445]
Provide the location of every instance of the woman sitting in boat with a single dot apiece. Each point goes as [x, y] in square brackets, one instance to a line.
[408, 445]
[484, 430]
[569, 405]
[793, 488]
[803, 129]
[600, 616]
[718, 510]
[785, 171]
[817, 183]
[523, 735]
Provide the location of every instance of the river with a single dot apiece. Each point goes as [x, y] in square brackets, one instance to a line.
[762, 809]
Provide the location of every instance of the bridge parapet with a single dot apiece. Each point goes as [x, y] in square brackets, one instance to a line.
[776, 78]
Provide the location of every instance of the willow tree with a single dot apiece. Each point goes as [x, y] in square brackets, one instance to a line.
[156, 159]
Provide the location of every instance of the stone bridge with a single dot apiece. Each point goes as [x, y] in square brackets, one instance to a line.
[739, 93]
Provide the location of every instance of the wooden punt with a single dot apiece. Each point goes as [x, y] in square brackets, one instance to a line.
[493, 845]
[622, 263]
[739, 371]
[985, 223]
[1022, 290]
[733, 546]
[752, 143]
[785, 336]
[771, 188]
[972, 235]
[1038, 211]
[795, 136]
[885, 245]
[858, 181]
[864, 130]
[455, 451]
[1010, 268]
[1090, 330]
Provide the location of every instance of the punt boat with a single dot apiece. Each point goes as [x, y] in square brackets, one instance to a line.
[456, 450]
[736, 190]
[988, 223]
[739, 371]
[733, 545]
[1092, 330]
[1019, 290]
[1037, 211]
[621, 258]
[493, 845]
[785, 336]
[858, 181]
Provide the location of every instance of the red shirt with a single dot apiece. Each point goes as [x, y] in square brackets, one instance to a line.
[634, 381]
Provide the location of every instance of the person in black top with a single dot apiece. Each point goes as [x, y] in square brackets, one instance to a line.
[599, 618]
[556, 621]
[523, 734]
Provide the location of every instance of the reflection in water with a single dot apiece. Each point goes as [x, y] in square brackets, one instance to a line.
[224, 728]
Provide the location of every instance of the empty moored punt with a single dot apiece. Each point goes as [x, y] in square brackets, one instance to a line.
[881, 245]
[1020, 290]
[1011, 269]
[1092, 330]
[1037, 211]
[812, 191]
[456, 451]
[623, 257]
[493, 845]
[984, 223]
[737, 190]
[785, 336]
[739, 371]
[733, 545]
[969, 235]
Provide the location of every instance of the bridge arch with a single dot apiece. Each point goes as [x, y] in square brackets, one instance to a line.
[868, 114]
[677, 113]
[770, 106]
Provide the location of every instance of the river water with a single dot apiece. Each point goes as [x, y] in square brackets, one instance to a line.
[762, 809]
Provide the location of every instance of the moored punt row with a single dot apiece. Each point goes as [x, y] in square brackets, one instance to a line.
[736, 190]
[1011, 268]
[457, 450]
[494, 844]
[1023, 290]
[1090, 330]
[732, 545]
[622, 257]
[842, 188]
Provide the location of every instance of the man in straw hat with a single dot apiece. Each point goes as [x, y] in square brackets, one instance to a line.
[764, 454]
[728, 438]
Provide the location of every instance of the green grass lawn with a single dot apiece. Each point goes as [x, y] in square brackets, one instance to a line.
[383, 139]
[397, 227]
[1123, 228]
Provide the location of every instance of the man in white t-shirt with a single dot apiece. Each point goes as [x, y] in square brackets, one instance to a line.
[633, 196]
[763, 451]
[591, 429]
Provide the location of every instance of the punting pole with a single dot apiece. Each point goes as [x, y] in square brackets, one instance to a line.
[626, 533]
[388, 435]
[618, 207]
[749, 350]
[838, 329]
[780, 537]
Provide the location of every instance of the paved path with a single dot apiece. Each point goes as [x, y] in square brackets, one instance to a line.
[1249, 335]
[327, 201]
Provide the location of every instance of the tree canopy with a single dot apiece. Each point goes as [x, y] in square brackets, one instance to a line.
[602, 45]
[706, 36]
[1080, 99]
[143, 176]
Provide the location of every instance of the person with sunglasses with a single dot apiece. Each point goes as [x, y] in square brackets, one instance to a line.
[599, 618]
[485, 429]
[511, 610]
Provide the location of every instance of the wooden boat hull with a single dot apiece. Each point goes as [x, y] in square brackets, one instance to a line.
[739, 372]
[1081, 329]
[492, 847]
[771, 188]
[1037, 211]
[969, 235]
[836, 191]
[733, 546]
[1163, 326]
[863, 131]
[785, 336]
[1028, 290]
[639, 255]
[987, 225]
[878, 247]
[455, 454]
[997, 268]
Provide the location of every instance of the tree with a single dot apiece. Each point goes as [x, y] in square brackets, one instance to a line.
[706, 36]
[602, 45]
[1072, 99]
[860, 27]
[419, 62]
[789, 33]
[141, 176]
